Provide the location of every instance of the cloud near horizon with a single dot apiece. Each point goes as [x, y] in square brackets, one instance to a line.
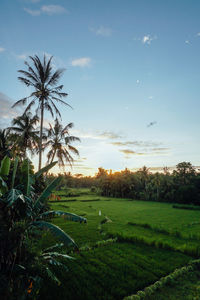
[137, 143]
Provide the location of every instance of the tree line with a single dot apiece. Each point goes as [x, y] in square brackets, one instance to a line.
[180, 186]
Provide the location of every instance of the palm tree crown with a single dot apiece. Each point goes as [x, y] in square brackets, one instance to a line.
[46, 92]
[24, 133]
[60, 141]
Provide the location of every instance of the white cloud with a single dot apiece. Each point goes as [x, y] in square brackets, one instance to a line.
[137, 81]
[103, 31]
[187, 42]
[198, 34]
[2, 49]
[147, 39]
[81, 62]
[21, 56]
[150, 97]
[47, 9]
[53, 9]
[32, 12]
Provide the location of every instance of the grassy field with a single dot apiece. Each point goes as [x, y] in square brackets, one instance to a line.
[153, 239]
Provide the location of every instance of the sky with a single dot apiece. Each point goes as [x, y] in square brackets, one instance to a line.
[132, 76]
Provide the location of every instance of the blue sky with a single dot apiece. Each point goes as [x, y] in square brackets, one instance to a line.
[132, 75]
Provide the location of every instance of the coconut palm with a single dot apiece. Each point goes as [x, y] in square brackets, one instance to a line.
[43, 80]
[60, 141]
[24, 133]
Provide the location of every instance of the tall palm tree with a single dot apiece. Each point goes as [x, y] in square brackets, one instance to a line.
[24, 134]
[43, 80]
[60, 141]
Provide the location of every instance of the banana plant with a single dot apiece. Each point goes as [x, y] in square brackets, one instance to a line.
[4, 171]
[22, 218]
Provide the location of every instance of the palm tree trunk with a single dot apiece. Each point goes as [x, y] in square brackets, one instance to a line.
[53, 156]
[41, 134]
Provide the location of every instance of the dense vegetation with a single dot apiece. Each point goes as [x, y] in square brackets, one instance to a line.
[180, 186]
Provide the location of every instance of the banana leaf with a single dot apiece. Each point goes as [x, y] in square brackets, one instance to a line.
[45, 169]
[56, 232]
[47, 192]
[67, 215]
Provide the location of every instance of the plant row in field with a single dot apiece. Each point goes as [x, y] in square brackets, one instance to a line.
[192, 250]
[190, 207]
[113, 271]
[175, 233]
[164, 281]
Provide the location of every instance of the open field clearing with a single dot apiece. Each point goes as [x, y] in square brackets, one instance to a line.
[153, 239]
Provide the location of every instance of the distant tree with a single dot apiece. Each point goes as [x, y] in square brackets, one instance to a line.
[184, 172]
[43, 80]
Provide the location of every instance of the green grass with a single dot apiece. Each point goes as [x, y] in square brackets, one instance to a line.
[114, 271]
[154, 239]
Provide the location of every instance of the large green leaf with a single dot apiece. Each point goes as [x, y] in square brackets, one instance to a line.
[67, 215]
[48, 255]
[57, 232]
[5, 166]
[47, 192]
[13, 196]
[45, 169]
[14, 171]
[26, 179]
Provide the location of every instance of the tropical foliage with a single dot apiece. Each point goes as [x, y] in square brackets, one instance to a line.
[59, 141]
[46, 93]
[24, 134]
[22, 217]
[182, 185]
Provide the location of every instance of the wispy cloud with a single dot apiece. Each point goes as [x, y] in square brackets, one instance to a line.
[147, 39]
[81, 62]
[141, 144]
[2, 49]
[32, 12]
[150, 152]
[110, 135]
[47, 9]
[128, 151]
[21, 56]
[53, 9]
[103, 31]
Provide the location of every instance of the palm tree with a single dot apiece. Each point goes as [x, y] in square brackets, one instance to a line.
[60, 143]
[43, 80]
[24, 133]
